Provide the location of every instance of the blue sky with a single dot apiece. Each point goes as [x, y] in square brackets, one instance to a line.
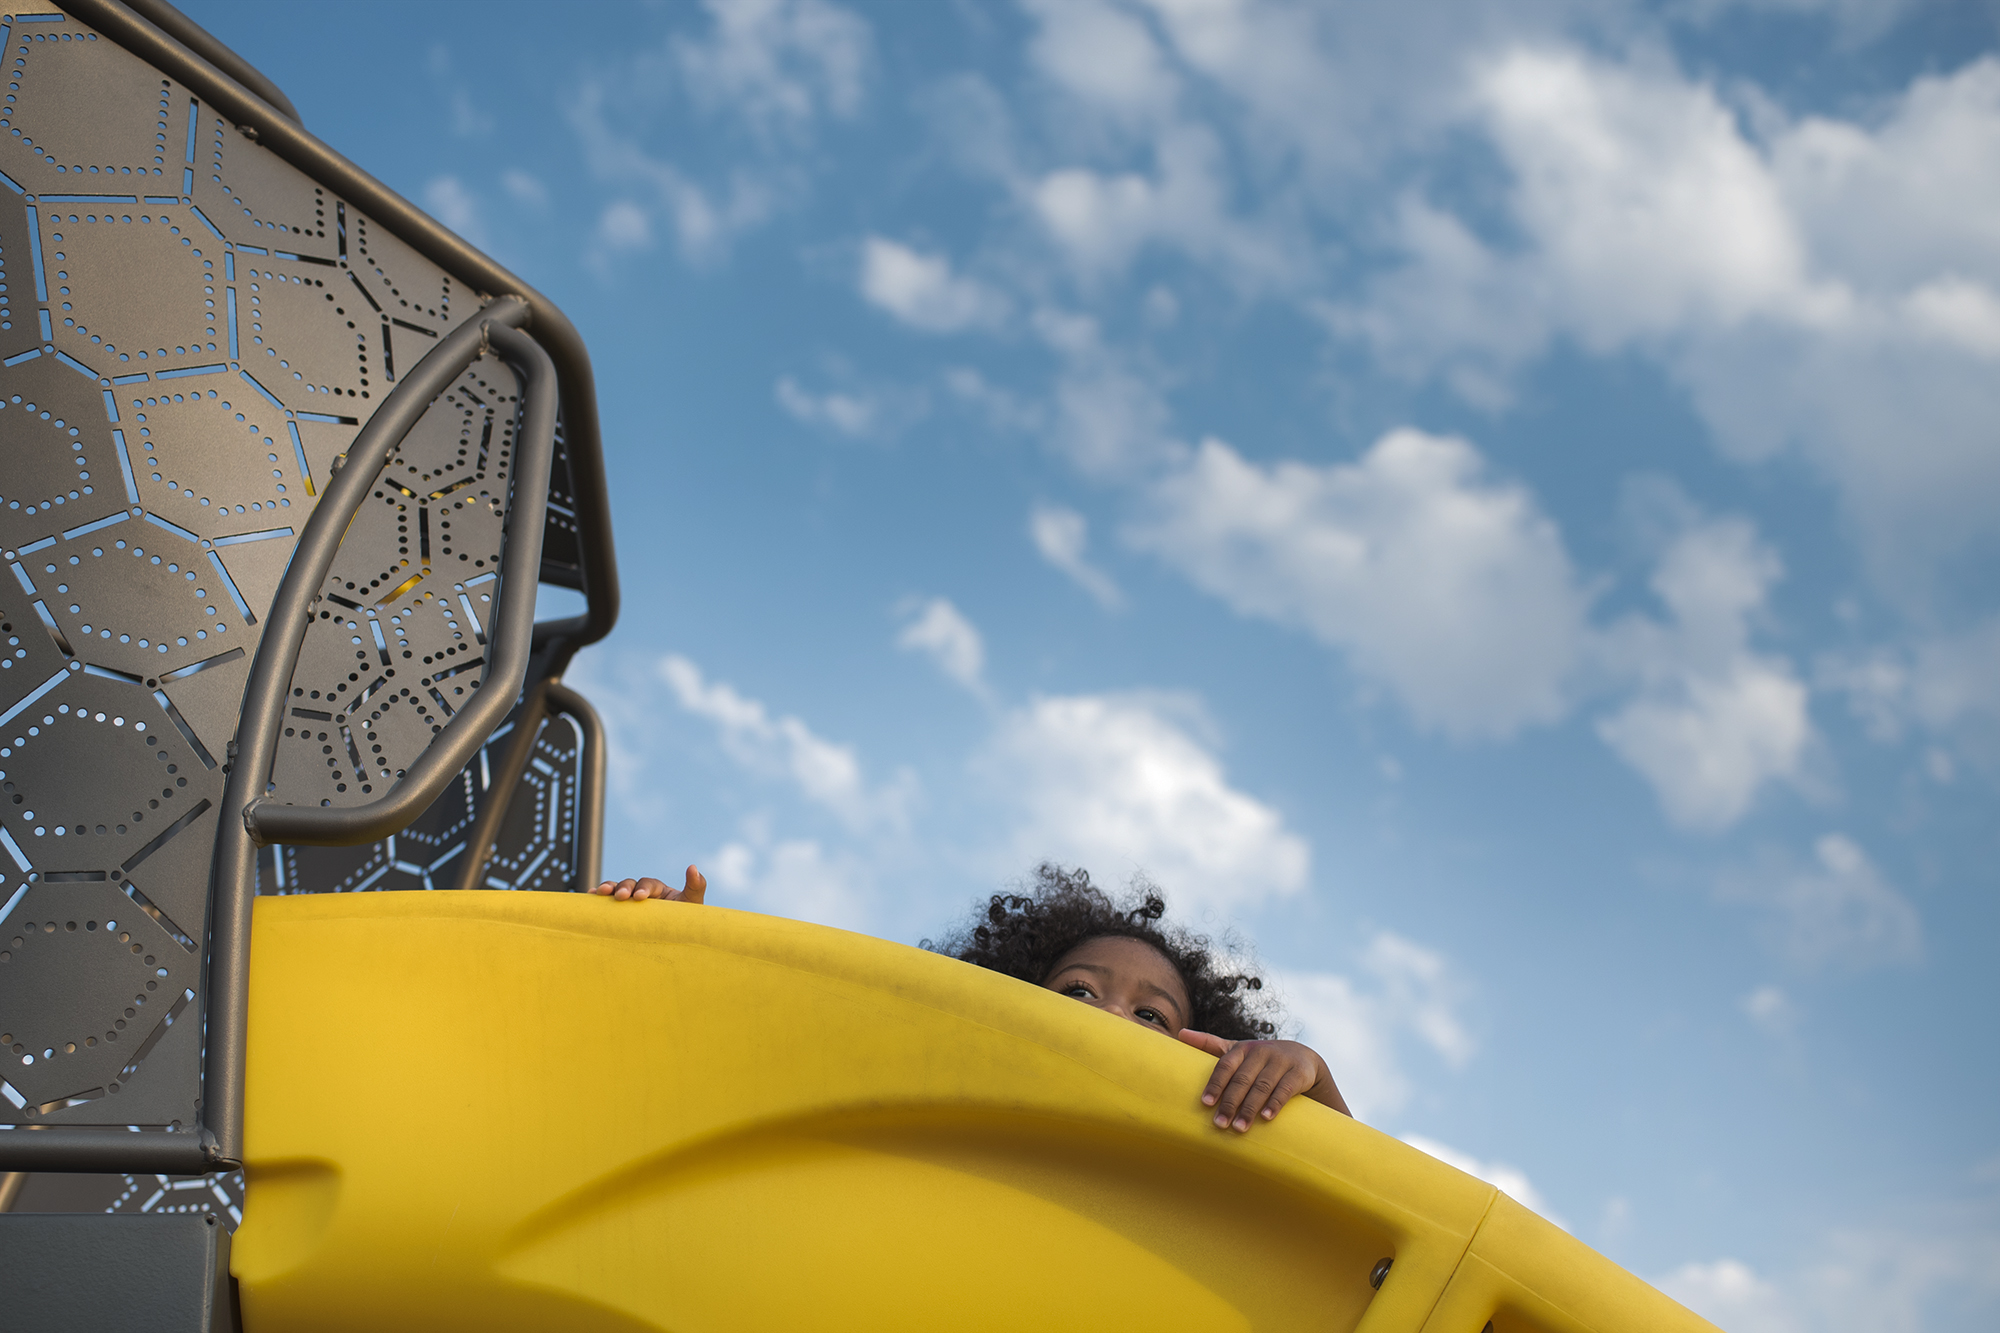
[1496, 503]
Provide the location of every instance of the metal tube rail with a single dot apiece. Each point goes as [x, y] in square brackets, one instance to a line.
[513, 624]
[264, 699]
[206, 45]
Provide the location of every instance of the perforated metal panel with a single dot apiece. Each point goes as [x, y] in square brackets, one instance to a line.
[149, 1194]
[535, 848]
[192, 334]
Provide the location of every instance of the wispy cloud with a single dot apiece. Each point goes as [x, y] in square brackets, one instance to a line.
[940, 631]
[453, 204]
[778, 63]
[827, 773]
[1362, 1022]
[1062, 535]
[1835, 910]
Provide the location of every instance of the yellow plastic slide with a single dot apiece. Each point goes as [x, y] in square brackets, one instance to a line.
[546, 1111]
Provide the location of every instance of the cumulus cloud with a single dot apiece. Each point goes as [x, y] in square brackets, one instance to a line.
[1836, 910]
[1061, 535]
[941, 632]
[1713, 721]
[1830, 289]
[826, 773]
[1446, 585]
[1648, 209]
[1116, 783]
[1511, 1180]
[922, 291]
[1400, 992]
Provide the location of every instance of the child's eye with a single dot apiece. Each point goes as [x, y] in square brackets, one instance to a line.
[1152, 1016]
[1076, 990]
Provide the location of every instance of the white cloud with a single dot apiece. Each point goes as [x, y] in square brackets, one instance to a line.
[1109, 421]
[704, 218]
[1419, 988]
[826, 773]
[1102, 55]
[1861, 1280]
[1061, 535]
[624, 226]
[850, 414]
[525, 187]
[941, 632]
[1120, 98]
[778, 63]
[1116, 783]
[1833, 289]
[922, 291]
[1836, 911]
[795, 878]
[1648, 209]
[1731, 1295]
[1448, 586]
[1359, 1024]
[1103, 220]
[1772, 1010]
[1003, 409]
[454, 205]
[1510, 1180]
[1713, 721]
[1946, 682]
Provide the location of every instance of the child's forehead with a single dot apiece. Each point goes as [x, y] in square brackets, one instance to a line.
[1123, 954]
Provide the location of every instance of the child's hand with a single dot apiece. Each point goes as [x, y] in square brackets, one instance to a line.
[638, 890]
[1254, 1079]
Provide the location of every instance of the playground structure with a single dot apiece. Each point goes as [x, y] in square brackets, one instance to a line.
[284, 464]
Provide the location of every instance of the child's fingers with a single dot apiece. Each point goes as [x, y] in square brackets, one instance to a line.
[605, 888]
[1205, 1041]
[1224, 1068]
[1251, 1067]
[1294, 1081]
[1255, 1076]
[696, 887]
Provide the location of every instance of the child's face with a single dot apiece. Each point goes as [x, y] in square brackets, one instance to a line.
[1124, 977]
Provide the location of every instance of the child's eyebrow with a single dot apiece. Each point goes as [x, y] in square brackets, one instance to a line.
[1101, 970]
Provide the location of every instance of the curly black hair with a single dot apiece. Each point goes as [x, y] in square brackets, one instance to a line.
[1026, 934]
